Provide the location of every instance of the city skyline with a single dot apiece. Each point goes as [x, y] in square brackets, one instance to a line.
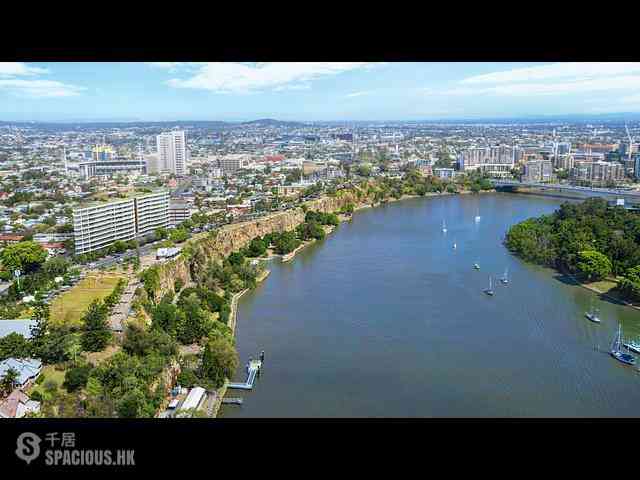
[313, 91]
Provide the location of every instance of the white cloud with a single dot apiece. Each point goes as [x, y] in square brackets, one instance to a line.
[39, 88]
[15, 69]
[553, 71]
[295, 86]
[33, 88]
[246, 78]
[625, 82]
[359, 94]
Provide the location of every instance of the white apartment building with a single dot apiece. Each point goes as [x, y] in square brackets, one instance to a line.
[172, 152]
[495, 157]
[99, 225]
[152, 211]
[538, 171]
[153, 163]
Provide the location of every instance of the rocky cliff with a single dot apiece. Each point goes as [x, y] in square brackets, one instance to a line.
[205, 247]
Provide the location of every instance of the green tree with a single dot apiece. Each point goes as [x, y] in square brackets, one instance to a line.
[24, 256]
[76, 378]
[594, 265]
[9, 381]
[55, 267]
[14, 345]
[131, 404]
[96, 333]
[161, 233]
[630, 283]
[219, 361]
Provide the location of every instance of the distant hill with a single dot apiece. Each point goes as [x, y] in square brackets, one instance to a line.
[271, 122]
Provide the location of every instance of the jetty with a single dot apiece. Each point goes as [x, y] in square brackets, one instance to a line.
[253, 368]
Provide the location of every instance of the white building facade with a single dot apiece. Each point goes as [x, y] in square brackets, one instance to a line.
[100, 225]
[172, 152]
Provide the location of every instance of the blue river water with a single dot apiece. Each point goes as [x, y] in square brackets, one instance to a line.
[384, 318]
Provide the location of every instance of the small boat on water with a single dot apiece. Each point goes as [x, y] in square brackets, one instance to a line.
[592, 314]
[505, 277]
[477, 219]
[616, 351]
[455, 245]
[633, 345]
[489, 291]
[476, 266]
[444, 227]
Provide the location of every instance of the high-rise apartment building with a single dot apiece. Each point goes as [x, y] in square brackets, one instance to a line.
[172, 152]
[597, 173]
[538, 171]
[98, 225]
[475, 158]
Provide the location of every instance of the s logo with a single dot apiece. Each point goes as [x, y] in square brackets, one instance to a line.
[28, 447]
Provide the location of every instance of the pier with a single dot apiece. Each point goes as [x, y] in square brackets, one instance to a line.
[253, 369]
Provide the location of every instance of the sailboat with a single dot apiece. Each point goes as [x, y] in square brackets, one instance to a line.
[633, 345]
[455, 245]
[444, 227]
[592, 314]
[489, 291]
[505, 277]
[616, 351]
[476, 266]
[477, 216]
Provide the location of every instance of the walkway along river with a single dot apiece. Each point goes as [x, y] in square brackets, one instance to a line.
[386, 318]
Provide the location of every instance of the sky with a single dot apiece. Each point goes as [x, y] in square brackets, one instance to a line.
[312, 91]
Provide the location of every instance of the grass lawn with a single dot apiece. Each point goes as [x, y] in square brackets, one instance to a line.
[69, 307]
[48, 373]
[603, 285]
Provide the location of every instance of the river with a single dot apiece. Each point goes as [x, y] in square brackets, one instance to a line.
[384, 318]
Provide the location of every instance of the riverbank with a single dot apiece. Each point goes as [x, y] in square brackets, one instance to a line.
[604, 293]
[233, 314]
[291, 255]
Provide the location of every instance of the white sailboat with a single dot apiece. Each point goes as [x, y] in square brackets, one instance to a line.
[616, 350]
[505, 277]
[489, 291]
[444, 227]
[477, 219]
[592, 314]
[455, 245]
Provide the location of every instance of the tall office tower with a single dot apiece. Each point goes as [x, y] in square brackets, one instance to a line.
[172, 152]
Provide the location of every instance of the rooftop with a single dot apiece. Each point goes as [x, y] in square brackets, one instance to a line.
[95, 201]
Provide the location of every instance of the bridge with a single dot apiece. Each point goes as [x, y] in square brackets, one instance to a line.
[571, 191]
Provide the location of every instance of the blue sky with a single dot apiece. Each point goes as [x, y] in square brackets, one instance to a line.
[312, 91]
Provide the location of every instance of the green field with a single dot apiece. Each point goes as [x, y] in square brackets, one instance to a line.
[69, 307]
[48, 373]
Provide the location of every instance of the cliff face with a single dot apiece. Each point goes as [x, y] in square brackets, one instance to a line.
[205, 247]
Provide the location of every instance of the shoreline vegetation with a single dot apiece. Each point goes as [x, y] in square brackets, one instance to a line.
[596, 245]
[183, 328]
[222, 391]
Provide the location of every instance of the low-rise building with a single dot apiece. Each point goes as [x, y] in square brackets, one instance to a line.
[28, 370]
[179, 212]
[17, 405]
[444, 173]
